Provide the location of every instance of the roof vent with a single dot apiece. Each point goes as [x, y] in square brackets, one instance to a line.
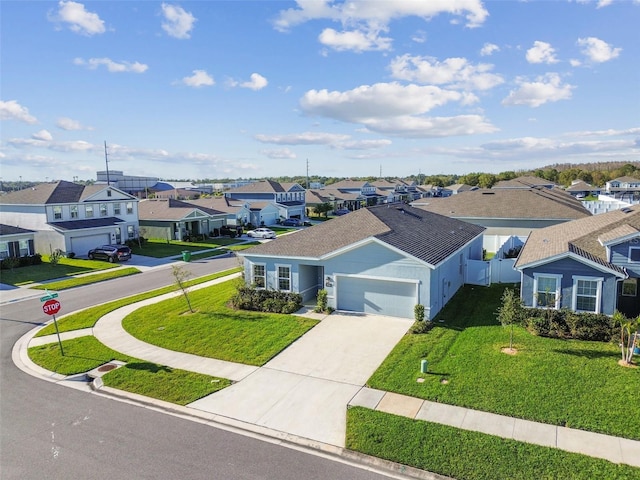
[625, 210]
[488, 193]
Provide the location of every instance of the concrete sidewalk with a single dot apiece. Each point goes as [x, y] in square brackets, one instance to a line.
[287, 397]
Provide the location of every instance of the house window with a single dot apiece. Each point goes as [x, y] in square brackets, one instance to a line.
[24, 248]
[4, 250]
[108, 193]
[258, 275]
[116, 208]
[634, 254]
[57, 213]
[103, 209]
[88, 211]
[129, 208]
[546, 290]
[284, 278]
[74, 211]
[586, 294]
[130, 231]
[630, 287]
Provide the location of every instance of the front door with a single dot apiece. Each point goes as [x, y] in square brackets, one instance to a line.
[628, 298]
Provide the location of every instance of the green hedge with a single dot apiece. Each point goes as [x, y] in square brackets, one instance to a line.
[569, 325]
[271, 301]
[25, 261]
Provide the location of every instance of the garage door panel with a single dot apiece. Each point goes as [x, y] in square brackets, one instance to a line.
[81, 245]
[384, 297]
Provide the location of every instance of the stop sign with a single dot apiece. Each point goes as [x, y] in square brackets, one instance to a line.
[51, 307]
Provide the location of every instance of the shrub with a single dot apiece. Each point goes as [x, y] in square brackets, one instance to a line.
[418, 312]
[71, 255]
[422, 326]
[321, 305]
[55, 256]
[10, 263]
[568, 324]
[260, 300]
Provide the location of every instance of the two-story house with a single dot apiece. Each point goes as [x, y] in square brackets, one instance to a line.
[587, 265]
[624, 188]
[72, 217]
[270, 201]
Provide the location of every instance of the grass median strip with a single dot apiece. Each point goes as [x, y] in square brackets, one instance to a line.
[87, 318]
[469, 455]
[577, 384]
[88, 280]
[214, 330]
[137, 376]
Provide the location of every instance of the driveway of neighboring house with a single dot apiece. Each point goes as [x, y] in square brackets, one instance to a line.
[305, 390]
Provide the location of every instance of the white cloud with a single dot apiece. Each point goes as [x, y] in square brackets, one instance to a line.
[432, 127]
[12, 110]
[382, 100]
[43, 135]
[454, 72]
[69, 124]
[541, 52]
[78, 19]
[257, 82]
[112, 66]
[66, 146]
[177, 22]
[200, 78]
[548, 88]
[489, 49]
[364, 20]
[355, 40]
[364, 144]
[597, 50]
[306, 138]
[281, 154]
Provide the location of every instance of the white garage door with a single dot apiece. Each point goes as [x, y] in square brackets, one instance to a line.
[81, 245]
[384, 297]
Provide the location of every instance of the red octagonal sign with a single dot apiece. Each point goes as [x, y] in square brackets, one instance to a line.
[51, 307]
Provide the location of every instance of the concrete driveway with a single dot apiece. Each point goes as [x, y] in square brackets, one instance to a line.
[305, 390]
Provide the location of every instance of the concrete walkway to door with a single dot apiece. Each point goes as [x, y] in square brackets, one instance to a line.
[305, 390]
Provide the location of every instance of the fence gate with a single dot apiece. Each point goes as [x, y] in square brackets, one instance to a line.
[478, 272]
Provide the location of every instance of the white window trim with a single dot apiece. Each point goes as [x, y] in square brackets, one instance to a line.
[629, 255]
[278, 265]
[574, 295]
[253, 277]
[558, 278]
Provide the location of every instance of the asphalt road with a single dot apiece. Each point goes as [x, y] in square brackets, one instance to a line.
[48, 431]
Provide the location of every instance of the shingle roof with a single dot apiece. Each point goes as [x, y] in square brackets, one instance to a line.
[348, 184]
[11, 230]
[52, 193]
[87, 223]
[264, 186]
[169, 209]
[424, 235]
[524, 182]
[581, 186]
[581, 237]
[532, 203]
[221, 204]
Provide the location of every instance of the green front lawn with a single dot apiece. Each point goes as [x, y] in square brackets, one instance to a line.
[572, 383]
[87, 280]
[66, 267]
[86, 353]
[161, 249]
[214, 330]
[469, 455]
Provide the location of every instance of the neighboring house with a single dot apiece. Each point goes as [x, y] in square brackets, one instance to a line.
[359, 193]
[457, 188]
[384, 260]
[581, 189]
[587, 265]
[525, 182]
[237, 213]
[288, 198]
[624, 188]
[177, 220]
[72, 217]
[178, 194]
[16, 242]
[508, 212]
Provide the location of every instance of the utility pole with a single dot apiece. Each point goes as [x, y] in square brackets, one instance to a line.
[307, 174]
[106, 160]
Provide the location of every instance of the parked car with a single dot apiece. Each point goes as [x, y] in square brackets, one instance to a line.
[292, 222]
[342, 211]
[261, 233]
[110, 253]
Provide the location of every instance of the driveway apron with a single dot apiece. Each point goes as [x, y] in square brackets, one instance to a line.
[305, 389]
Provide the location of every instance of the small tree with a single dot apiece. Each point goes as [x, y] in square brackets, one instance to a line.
[628, 329]
[322, 208]
[418, 312]
[55, 256]
[321, 305]
[510, 312]
[181, 274]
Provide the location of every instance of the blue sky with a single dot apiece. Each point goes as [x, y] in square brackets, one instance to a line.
[217, 89]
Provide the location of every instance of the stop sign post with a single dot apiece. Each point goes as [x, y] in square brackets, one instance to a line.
[52, 306]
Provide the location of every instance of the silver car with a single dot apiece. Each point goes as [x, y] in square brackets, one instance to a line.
[261, 233]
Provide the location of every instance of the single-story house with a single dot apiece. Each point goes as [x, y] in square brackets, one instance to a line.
[16, 242]
[177, 220]
[384, 259]
[238, 213]
[587, 265]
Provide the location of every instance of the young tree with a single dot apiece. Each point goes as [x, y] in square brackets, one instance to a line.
[628, 334]
[180, 274]
[510, 313]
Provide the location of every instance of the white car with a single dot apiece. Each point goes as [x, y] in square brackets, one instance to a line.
[261, 233]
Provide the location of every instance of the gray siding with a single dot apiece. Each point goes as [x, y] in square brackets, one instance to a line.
[620, 257]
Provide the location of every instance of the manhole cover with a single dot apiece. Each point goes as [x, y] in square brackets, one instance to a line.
[108, 367]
